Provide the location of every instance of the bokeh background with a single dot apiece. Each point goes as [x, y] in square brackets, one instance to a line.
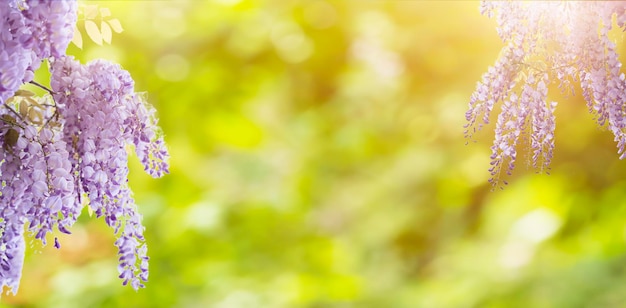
[318, 160]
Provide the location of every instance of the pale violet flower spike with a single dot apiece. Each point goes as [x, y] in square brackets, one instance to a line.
[102, 115]
[71, 152]
[31, 31]
[548, 41]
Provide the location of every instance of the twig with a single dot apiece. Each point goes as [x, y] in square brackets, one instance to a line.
[56, 110]
[42, 87]
[16, 114]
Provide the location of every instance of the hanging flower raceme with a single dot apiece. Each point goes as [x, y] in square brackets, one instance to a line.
[32, 31]
[102, 115]
[548, 41]
[67, 150]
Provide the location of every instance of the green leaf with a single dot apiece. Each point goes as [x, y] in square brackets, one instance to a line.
[35, 116]
[8, 119]
[116, 25]
[105, 12]
[23, 109]
[90, 11]
[78, 38]
[93, 32]
[105, 30]
[24, 93]
[33, 102]
[10, 138]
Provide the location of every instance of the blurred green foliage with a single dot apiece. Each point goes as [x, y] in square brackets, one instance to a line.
[318, 160]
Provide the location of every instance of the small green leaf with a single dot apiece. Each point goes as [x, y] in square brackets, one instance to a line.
[116, 25]
[8, 119]
[35, 116]
[78, 38]
[24, 93]
[23, 108]
[105, 12]
[10, 138]
[93, 32]
[90, 11]
[106, 32]
[34, 102]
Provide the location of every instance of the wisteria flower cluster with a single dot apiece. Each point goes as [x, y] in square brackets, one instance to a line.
[562, 41]
[67, 150]
[31, 31]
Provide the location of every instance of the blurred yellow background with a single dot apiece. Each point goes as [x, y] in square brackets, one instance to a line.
[318, 160]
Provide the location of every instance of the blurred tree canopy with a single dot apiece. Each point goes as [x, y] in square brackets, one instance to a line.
[318, 160]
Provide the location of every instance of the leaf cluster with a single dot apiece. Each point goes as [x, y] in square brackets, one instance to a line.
[98, 23]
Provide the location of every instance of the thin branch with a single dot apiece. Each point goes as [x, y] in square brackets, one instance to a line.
[54, 115]
[16, 114]
[56, 109]
[42, 87]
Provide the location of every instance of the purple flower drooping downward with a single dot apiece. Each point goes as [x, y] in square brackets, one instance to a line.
[547, 40]
[31, 31]
[66, 150]
[102, 114]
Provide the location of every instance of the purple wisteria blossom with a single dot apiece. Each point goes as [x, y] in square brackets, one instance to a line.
[32, 30]
[102, 115]
[563, 41]
[68, 149]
